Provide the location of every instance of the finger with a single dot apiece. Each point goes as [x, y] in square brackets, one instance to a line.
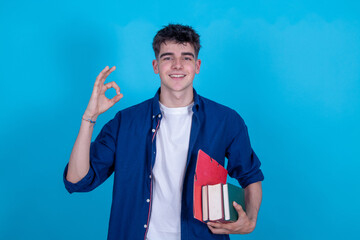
[99, 81]
[238, 208]
[227, 226]
[112, 85]
[218, 230]
[215, 224]
[107, 73]
[101, 74]
[104, 74]
[105, 70]
[241, 214]
[117, 98]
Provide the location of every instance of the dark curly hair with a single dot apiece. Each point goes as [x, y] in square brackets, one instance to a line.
[179, 34]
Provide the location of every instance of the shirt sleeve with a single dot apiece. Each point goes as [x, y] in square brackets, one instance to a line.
[102, 156]
[243, 164]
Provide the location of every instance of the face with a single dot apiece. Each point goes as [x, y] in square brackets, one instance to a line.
[177, 66]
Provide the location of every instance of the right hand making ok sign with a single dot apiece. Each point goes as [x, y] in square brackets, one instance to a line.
[99, 103]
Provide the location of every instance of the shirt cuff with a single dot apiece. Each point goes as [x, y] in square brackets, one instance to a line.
[258, 176]
[80, 185]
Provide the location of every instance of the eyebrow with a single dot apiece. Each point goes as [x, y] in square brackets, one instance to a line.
[188, 54]
[166, 54]
[172, 54]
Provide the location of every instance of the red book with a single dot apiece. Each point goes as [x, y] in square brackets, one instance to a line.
[208, 172]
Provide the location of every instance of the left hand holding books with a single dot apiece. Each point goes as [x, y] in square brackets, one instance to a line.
[242, 226]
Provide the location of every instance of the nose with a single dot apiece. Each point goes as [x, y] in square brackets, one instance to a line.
[177, 63]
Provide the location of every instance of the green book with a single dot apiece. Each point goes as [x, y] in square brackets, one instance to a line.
[232, 193]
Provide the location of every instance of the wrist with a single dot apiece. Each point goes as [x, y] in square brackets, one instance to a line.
[89, 116]
[89, 120]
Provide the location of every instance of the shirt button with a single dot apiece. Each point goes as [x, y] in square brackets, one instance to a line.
[153, 130]
[159, 115]
[145, 226]
[147, 200]
[153, 116]
[149, 176]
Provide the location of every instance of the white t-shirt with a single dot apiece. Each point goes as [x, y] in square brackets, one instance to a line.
[172, 145]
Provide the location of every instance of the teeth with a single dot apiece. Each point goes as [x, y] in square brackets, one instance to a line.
[177, 75]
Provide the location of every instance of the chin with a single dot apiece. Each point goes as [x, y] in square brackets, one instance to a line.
[180, 88]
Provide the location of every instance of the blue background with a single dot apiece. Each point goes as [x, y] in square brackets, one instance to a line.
[290, 68]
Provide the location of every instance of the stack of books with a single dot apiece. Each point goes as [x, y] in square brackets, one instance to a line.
[213, 197]
[217, 202]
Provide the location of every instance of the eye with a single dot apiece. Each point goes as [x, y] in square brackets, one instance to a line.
[188, 58]
[168, 58]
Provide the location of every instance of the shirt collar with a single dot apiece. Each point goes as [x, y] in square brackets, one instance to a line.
[156, 107]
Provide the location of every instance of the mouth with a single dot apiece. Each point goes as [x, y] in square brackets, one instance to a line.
[177, 76]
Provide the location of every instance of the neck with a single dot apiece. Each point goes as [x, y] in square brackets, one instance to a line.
[176, 99]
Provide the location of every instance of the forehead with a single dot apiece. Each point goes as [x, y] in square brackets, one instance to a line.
[174, 47]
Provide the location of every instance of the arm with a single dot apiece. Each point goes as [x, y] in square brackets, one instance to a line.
[246, 221]
[79, 162]
[253, 196]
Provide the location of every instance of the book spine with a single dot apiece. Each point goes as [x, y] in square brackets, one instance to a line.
[226, 202]
[205, 203]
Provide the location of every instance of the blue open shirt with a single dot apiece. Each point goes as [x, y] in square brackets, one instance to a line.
[126, 146]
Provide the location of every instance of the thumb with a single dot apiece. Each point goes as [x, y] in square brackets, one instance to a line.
[117, 98]
[238, 208]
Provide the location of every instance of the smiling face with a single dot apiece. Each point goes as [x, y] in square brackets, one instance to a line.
[177, 65]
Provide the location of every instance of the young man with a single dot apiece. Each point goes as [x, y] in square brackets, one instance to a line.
[152, 149]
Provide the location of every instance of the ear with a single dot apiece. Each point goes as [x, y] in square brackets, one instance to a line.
[155, 66]
[197, 66]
